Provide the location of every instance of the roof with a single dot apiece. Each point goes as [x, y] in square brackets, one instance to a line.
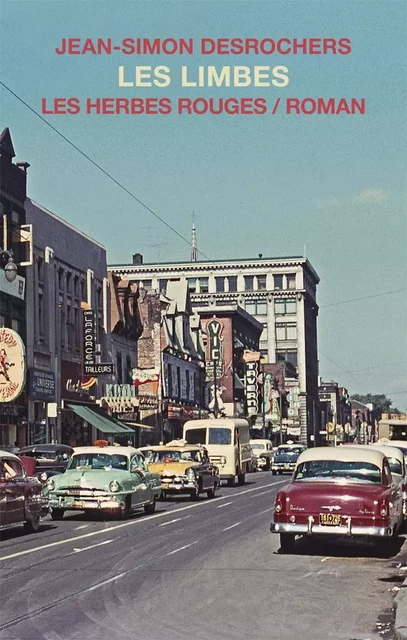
[45, 447]
[6, 144]
[389, 452]
[259, 441]
[217, 422]
[111, 450]
[344, 454]
[8, 454]
[175, 447]
[290, 446]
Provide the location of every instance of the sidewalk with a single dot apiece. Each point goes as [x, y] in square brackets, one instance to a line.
[400, 601]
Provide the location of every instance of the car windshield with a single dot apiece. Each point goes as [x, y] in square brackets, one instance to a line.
[219, 435]
[258, 446]
[103, 461]
[334, 470]
[395, 466]
[175, 456]
[289, 451]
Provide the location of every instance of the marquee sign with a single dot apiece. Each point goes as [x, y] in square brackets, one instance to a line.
[214, 355]
[251, 388]
[12, 365]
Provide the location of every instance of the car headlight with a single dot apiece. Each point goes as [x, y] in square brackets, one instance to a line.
[114, 486]
[191, 475]
[43, 476]
[51, 484]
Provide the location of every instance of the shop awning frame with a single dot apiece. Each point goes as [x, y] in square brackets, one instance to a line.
[100, 420]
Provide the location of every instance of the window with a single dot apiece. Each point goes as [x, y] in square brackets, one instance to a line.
[169, 381]
[256, 307]
[285, 306]
[248, 283]
[147, 284]
[291, 281]
[179, 382]
[286, 331]
[220, 284]
[191, 282]
[264, 333]
[204, 285]
[264, 354]
[128, 377]
[119, 367]
[232, 283]
[75, 286]
[162, 285]
[262, 282]
[40, 263]
[219, 435]
[196, 436]
[278, 283]
[288, 355]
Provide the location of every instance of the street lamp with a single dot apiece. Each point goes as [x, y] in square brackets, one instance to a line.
[8, 264]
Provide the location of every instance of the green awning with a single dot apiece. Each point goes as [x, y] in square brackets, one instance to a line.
[100, 420]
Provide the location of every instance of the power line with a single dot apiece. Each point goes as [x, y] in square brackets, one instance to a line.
[98, 166]
[375, 295]
[337, 365]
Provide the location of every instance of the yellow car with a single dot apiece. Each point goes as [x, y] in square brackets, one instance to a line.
[184, 469]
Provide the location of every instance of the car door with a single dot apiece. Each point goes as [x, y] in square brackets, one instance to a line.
[396, 496]
[141, 481]
[15, 490]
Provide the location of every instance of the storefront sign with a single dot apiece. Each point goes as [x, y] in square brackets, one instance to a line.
[252, 400]
[98, 369]
[214, 353]
[12, 365]
[89, 336]
[251, 356]
[41, 384]
[73, 386]
[120, 391]
[15, 288]
[142, 376]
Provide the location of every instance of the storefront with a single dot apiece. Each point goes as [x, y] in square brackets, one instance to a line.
[137, 412]
[41, 390]
[175, 416]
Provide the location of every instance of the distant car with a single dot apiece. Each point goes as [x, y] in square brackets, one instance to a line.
[263, 450]
[51, 459]
[285, 458]
[399, 444]
[339, 491]
[21, 502]
[184, 469]
[254, 463]
[398, 467]
[111, 480]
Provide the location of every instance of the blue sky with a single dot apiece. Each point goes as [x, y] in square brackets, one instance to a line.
[257, 184]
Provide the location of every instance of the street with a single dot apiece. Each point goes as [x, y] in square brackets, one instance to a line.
[206, 569]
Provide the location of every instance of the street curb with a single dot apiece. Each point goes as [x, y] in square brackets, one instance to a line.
[401, 612]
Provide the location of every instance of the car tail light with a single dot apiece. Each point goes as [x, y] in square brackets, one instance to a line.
[384, 509]
[278, 506]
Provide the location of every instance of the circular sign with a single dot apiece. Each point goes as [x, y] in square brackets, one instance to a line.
[12, 365]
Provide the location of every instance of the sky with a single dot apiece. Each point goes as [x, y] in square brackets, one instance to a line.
[332, 187]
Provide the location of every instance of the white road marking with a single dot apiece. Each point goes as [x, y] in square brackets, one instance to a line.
[102, 584]
[220, 506]
[265, 511]
[232, 526]
[182, 548]
[164, 524]
[131, 523]
[83, 526]
[99, 544]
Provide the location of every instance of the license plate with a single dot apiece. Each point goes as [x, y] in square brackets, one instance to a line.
[65, 501]
[79, 504]
[330, 519]
[287, 466]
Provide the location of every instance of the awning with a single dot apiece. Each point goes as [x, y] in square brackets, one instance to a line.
[102, 422]
[141, 426]
[238, 383]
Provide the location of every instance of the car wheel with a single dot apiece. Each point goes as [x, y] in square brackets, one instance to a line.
[287, 541]
[231, 482]
[195, 493]
[385, 546]
[57, 514]
[211, 492]
[32, 526]
[280, 473]
[267, 467]
[241, 479]
[150, 508]
[274, 472]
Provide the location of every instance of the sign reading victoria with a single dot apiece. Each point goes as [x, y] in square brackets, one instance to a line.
[12, 365]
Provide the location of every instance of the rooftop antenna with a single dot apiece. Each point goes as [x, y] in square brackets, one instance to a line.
[305, 251]
[194, 245]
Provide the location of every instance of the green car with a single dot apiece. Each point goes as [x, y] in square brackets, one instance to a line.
[104, 479]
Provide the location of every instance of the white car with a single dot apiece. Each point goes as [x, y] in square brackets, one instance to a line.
[263, 451]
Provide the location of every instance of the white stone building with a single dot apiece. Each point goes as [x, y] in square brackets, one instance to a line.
[279, 292]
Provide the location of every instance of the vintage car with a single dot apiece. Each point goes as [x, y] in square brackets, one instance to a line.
[285, 458]
[51, 459]
[398, 467]
[112, 480]
[21, 502]
[254, 466]
[263, 450]
[339, 491]
[184, 469]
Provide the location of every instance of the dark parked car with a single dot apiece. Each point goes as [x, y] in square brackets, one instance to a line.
[51, 459]
[21, 502]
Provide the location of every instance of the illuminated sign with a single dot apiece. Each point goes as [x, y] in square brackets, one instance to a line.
[12, 365]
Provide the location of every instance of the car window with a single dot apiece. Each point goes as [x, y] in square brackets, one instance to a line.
[99, 461]
[334, 470]
[10, 468]
[138, 462]
[387, 473]
[220, 435]
[395, 466]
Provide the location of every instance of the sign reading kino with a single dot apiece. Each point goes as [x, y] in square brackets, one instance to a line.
[12, 365]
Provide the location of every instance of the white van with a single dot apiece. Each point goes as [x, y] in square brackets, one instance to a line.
[227, 442]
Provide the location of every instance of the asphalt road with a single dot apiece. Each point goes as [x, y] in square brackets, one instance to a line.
[203, 570]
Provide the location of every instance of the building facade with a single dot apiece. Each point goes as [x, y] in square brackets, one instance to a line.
[67, 278]
[336, 412]
[279, 292]
[13, 191]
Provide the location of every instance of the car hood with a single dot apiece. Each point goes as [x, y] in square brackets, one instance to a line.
[91, 478]
[286, 457]
[307, 496]
[171, 468]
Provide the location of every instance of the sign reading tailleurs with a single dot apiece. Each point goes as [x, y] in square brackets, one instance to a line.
[12, 365]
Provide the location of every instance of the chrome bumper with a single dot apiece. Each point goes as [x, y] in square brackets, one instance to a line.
[316, 529]
[101, 502]
[179, 486]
